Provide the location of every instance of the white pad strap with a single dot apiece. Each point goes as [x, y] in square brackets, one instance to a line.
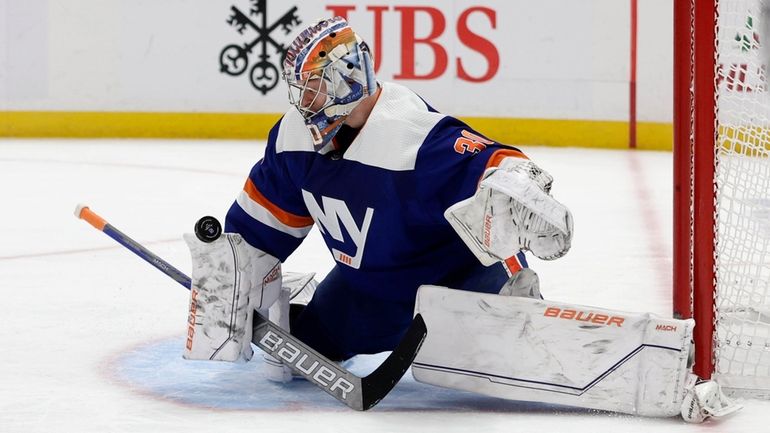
[534, 350]
[230, 279]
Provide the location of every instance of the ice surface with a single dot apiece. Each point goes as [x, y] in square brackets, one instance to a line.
[92, 336]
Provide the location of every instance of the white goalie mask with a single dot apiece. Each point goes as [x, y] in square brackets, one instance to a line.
[329, 71]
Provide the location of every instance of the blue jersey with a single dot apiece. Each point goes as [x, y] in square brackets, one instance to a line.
[379, 204]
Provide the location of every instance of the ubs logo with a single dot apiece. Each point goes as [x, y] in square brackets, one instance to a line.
[234, 58]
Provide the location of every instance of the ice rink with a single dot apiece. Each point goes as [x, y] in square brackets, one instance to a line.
[92, 336]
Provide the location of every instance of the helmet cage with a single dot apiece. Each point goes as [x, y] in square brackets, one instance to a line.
[328, 76]
[321, 88]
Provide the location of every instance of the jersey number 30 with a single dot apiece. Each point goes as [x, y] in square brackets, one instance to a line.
[470, 142]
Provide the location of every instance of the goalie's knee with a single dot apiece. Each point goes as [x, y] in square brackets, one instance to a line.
[524, 283]
[295, 288]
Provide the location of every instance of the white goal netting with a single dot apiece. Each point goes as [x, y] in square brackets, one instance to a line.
[742, 347]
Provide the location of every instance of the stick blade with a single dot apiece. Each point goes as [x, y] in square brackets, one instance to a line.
[355, 392]
[301, 358]
[381, 381]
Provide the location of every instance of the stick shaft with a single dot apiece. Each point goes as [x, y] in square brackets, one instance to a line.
[84, 213]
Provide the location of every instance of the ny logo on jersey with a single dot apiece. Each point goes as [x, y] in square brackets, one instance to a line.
[328, 219]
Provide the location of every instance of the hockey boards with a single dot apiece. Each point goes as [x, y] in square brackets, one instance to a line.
[359, 393]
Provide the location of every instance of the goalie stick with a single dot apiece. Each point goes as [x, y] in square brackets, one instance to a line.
[359, 393]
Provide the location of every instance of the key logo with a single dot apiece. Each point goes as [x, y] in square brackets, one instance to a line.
[234, 59]
[330, 215]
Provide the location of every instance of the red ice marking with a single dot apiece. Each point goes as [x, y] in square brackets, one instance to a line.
[656, 244]
[81, 251]
[122, 165]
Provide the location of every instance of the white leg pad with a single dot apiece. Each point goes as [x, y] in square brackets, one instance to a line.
[534, 350]
[230, 279]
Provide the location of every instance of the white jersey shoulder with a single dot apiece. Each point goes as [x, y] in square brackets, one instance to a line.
[398, 125]
[293, 135]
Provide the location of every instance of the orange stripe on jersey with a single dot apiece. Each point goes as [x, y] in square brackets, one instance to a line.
[498, 156]
[281, 215]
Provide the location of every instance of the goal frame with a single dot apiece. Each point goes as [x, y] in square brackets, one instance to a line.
[695, 138]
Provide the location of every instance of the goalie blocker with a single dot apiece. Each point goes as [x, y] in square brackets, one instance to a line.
[534, 350]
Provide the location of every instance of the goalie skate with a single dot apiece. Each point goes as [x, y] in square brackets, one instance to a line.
[705, 399]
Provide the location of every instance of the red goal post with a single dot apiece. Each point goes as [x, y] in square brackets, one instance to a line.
[722, 186]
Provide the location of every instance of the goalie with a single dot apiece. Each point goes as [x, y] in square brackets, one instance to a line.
[406, 197]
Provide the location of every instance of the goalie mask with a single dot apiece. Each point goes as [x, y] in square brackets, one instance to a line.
[329, 70]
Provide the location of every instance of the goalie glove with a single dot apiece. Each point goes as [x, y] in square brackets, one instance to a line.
[513, 211]
[230, 279]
